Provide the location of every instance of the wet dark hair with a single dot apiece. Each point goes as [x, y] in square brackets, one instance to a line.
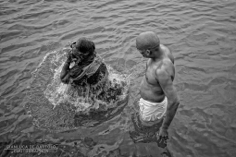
[84, 45]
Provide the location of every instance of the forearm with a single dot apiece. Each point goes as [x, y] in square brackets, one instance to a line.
[65, 72]
[170, 114]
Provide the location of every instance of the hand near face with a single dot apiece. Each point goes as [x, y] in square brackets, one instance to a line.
[69, 57]
[77, 61]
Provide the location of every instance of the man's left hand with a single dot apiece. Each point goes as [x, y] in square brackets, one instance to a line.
[163, 133]
[162, 139]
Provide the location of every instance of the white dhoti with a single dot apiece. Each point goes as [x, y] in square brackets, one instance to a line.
[150, 111]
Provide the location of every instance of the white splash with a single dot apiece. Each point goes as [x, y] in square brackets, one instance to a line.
[58, 92]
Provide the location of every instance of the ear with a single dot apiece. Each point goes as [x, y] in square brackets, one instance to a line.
[73, 44]
[148, 52]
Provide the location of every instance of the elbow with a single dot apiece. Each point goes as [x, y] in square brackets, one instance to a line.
[177, 103]
[174, 104]
[64, 79]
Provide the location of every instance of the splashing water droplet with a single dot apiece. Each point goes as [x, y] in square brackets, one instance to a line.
[49, 95]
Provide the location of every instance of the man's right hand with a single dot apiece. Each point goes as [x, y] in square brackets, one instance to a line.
[69, 57]
[65, 73]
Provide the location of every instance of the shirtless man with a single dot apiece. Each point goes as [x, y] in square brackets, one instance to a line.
[159, 101]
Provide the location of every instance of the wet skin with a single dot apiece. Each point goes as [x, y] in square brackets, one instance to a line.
[73, 56]
[158, 83]
[151, 89]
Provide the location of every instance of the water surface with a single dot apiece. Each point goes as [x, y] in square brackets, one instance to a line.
[200, 34]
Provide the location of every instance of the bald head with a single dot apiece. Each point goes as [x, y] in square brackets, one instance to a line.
[147, 40]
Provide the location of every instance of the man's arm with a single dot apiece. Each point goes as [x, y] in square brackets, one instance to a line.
[65, 75]
[166, 83]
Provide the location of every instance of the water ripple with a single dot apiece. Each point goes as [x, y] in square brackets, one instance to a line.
[201, 35]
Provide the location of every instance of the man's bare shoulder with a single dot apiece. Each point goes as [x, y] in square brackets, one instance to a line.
[166, 70]
[166, 65]
[167, 52]
[165, 48]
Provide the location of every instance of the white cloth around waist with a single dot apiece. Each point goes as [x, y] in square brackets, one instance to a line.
[150, 111]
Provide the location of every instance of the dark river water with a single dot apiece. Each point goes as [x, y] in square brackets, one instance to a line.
[200, 34]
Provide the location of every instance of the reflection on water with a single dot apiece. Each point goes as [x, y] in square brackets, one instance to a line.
[200, 34]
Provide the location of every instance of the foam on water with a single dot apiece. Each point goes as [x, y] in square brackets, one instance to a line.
[57, 106]
[58, 92]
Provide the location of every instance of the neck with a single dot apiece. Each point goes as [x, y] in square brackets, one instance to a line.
[157, 54]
